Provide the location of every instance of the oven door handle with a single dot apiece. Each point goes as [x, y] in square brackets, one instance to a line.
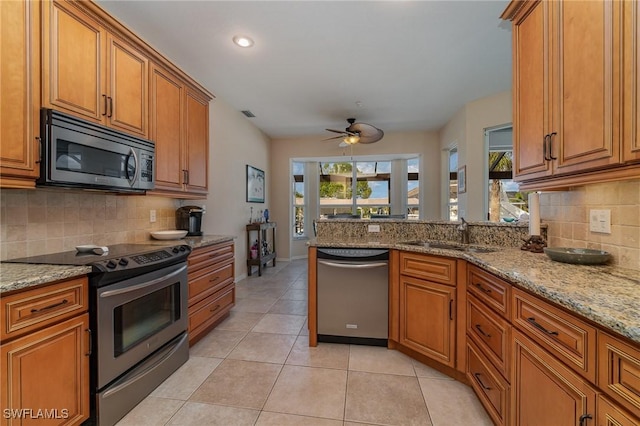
[133, 288]
[353, 265]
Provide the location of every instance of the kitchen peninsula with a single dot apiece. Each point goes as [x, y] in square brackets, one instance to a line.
[515, 321]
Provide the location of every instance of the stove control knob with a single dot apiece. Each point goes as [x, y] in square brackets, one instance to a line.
[182, 248]
[175, 250]
[111, 264]
[123, 262]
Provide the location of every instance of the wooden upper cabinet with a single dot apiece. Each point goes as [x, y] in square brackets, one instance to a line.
[197, 142]
[631, 81]
[20, 99]
[91, 73]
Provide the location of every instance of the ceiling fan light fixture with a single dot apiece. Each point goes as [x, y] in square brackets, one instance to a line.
[352, 139]
[243, 41]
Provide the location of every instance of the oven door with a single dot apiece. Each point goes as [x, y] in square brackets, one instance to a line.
[137, 316]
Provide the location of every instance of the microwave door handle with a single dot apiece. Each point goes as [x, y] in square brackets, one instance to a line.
[133, 179]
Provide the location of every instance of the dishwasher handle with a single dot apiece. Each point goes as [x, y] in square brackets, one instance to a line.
[353, 265]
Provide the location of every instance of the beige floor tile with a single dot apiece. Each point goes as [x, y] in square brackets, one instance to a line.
[197, 414]
[375, 359]
[300, 284]
[151, 411]
[264, 292]
[186, 379]
[293, 307]
[264, 347]
[254, 304]
[305, 328]
[217, 344]
[240, 321]
[452, 403]
[294, 294]
[423, 370]
[385, 399]
[237, 383]
[278, 419]
[326, 355]
[315, 392]
[279, 324]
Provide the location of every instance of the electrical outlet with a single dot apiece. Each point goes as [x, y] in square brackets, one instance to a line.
[600, 221]
[374, 228]
[152, 216]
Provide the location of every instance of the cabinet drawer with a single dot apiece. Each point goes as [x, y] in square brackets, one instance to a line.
[564, 335]
[491, 290]
[492, 389]
[619, 371]
[491, 332]
[204, 256]
[432, 268]
[610, 414]
[211, 280]
[210, 310]
[33, 309]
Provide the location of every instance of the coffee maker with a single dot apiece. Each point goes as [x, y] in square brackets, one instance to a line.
[189, 218]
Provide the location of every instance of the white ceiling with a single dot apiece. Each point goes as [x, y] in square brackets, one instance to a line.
[412, 64]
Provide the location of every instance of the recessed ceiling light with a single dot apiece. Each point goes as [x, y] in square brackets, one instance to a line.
[243, 41]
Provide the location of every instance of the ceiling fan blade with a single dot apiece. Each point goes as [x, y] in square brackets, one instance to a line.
[336, 131]
[333, 138]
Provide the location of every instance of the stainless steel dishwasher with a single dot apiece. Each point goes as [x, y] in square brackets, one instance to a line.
[353, 296]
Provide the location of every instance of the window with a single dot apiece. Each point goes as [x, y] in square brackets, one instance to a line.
[370, 181]
[413, 188]
[299, 200]
[453, 184]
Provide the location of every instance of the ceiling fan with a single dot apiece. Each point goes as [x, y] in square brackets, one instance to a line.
[357, 133]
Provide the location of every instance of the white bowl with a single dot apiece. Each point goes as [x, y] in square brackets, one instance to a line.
[175, 234]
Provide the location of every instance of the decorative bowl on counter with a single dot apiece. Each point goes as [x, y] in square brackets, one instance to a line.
[175, 234]
[581, 256]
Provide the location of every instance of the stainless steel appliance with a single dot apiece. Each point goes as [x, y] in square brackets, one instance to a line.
[138, 320]
[353, 295]
[189, 218]
[81, 154]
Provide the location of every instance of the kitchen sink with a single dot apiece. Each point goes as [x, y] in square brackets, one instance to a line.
[449, 246]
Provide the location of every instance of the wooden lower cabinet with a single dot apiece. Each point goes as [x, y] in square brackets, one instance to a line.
[211, 287]
[492, 389]
[46, 375]
[427, 318]
[609, 414]
[619, 371]
[545, 392]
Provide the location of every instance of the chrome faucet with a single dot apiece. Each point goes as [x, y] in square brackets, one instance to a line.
[464, 229]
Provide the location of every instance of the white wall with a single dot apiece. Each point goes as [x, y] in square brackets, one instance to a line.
[282, 150]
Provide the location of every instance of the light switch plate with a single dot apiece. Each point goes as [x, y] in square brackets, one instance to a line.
[600, 221]
[374, 228]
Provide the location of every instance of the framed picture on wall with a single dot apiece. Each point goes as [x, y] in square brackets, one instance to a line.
[255, 185]
[462, 180]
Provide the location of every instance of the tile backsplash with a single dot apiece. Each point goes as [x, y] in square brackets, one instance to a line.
[567, 216]
[41, 221]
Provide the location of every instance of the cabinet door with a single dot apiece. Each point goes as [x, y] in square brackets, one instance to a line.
[544, 391]
[631, 85]
[586, 85]
[197, 140]
[20, 100]
[49, 370]
[73, 79]
[427, 323]
[167, 94]
[610, 414]
[530, 88]
[128, 88]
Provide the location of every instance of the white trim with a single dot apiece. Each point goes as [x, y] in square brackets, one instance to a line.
[485, 166]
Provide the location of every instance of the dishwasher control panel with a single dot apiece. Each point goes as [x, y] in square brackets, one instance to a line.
[352, 253]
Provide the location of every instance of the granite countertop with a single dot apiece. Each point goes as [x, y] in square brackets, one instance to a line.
[16, 276]
[606, 294]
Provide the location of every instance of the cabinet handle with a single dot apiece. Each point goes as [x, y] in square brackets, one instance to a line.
[88, 330]
[482, 332]
[215, 308]
[451, 309]
[39, 157]
[533, 322]
[105, 104]
[486, 290]
[214, 279]
[545, 148]
[185, 176]
[55, 305]
[477, 376]
[551, 135]
[110, 107]
[585, 417]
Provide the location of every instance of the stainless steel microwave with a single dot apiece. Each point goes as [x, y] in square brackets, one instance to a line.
[76, 153]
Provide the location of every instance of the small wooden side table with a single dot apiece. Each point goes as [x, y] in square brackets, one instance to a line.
[265, 253]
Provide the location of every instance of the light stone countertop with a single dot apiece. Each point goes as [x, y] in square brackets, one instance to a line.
[17, 276]
[605, 294]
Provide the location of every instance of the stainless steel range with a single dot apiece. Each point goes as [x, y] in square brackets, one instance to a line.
[138, 319]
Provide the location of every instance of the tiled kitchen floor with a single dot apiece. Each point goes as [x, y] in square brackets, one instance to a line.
[256, 368]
